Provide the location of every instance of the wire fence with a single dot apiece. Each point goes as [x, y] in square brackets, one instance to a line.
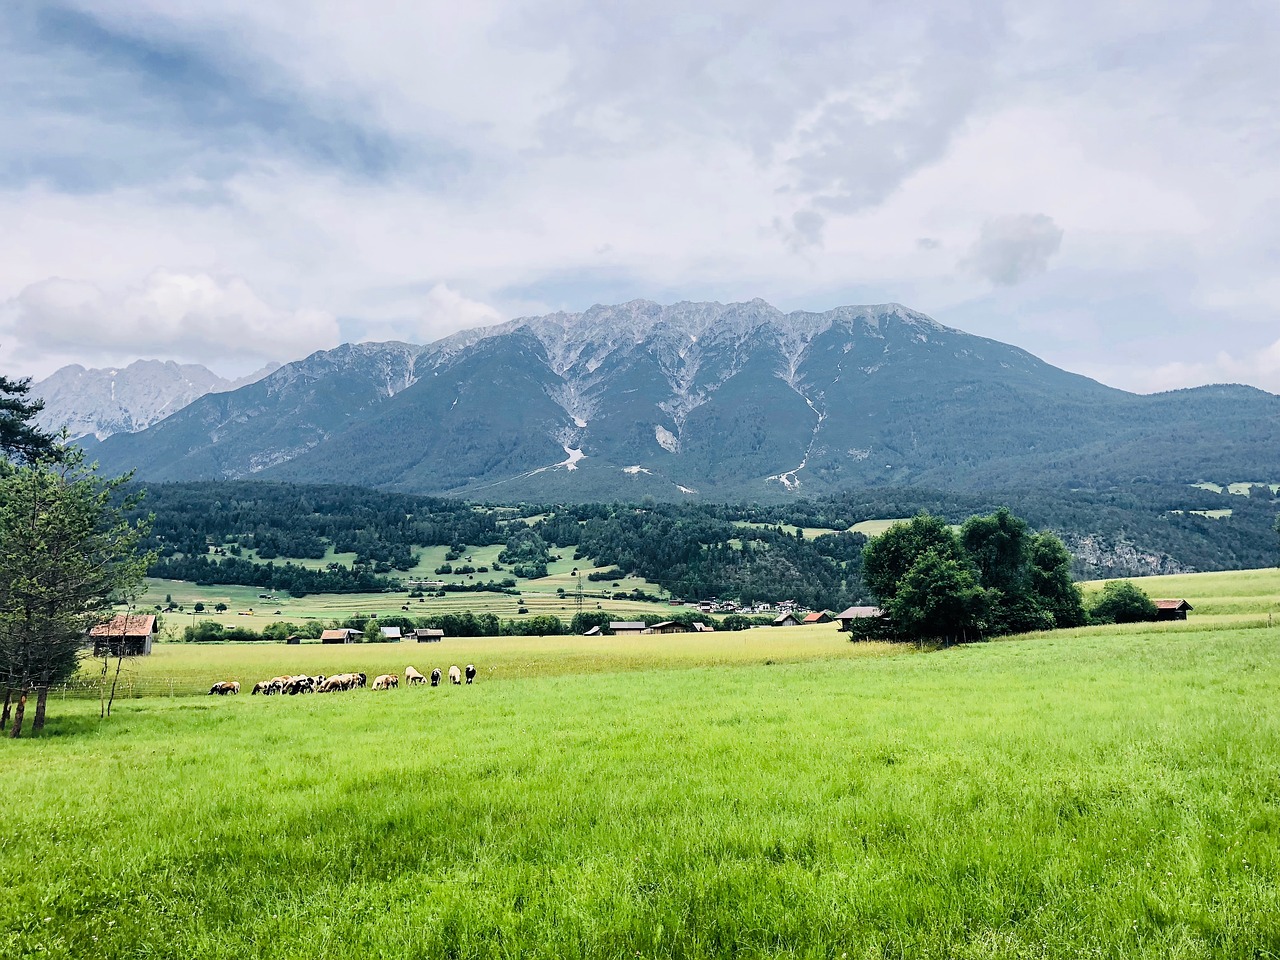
[127, 688]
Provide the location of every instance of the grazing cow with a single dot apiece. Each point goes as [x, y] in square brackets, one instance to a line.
[386, 681]
[455, 675]
[471, 672]
[224, 687]
[412, 676]
[435, 677]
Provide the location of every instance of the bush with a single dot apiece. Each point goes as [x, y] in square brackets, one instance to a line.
[1121, 601]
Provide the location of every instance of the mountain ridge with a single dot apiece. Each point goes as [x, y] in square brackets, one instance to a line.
[699, 399]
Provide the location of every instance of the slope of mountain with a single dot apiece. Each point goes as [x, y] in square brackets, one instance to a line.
[101, 402]
[702, 399]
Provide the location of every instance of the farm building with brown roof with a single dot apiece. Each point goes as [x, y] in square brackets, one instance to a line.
[1172, 609]
[128, 635]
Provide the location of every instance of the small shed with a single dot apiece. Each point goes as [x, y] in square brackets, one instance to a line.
[341, 635]
[669, 626]
[293, 640]
[700, 627]
[846, 617]
[593, 632]
[1172, 609]
[428, 635]
[821, 616]
[390, 634]
[128, 635]
[787, 619]
[627, 627]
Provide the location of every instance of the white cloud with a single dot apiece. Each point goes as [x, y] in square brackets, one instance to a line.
[1012, 249]
[447, 311]
[180, 315]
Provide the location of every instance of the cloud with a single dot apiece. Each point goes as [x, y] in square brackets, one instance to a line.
[447, 311]
[180, 315]
[1012, 249]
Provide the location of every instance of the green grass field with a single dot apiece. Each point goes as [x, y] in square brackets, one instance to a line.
[1093, 794]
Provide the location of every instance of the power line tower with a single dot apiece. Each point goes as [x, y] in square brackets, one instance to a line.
[579, 573]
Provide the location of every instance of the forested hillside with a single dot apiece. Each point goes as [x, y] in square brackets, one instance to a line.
[285, 536]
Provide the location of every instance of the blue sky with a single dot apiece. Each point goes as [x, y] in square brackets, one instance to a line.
[230, 182]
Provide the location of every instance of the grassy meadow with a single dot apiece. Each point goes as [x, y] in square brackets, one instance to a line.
[1109, 792]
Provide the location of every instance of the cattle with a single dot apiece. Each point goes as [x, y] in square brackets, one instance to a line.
[435, 677]
[386, 681]
[471, 672]
[455, 675]
[224, 687]
[412, 676]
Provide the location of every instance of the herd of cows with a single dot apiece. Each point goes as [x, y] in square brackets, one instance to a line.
[293, 685]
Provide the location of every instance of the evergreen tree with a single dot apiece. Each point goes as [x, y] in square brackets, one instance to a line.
[67, 550]
[18, 438]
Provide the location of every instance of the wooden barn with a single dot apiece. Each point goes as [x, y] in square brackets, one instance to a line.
[127, 634]
[668, 626]
[820, 616]
[342, 635]
[786, 620]
[846, 617]
[428, 635]
[627, 627]
[1172, 609]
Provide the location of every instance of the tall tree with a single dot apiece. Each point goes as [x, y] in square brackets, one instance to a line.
[887, 558]
[1000, 547]
[938, 597]
[1051, 581]
[67, 549]
[18, 438]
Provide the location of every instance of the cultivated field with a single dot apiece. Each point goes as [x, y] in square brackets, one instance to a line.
[1108, 792]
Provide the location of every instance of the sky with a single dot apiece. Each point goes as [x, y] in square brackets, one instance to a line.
[232, 182]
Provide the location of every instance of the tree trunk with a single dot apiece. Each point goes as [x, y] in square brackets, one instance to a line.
[16, 730]
[8, 702]
[42, 694]
[115, 680]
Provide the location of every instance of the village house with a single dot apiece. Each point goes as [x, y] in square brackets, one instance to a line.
[128, 635]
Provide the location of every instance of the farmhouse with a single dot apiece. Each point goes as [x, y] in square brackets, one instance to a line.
[668, 626]
[128, 635]
[847, 617]
[1172, 609]
[343, 635]
[428, 635]
[787, 619]
[627, 627]
[821, 616]
[390, 634]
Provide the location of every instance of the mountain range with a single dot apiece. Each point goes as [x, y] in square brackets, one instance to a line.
[701, 399]
[100, 402]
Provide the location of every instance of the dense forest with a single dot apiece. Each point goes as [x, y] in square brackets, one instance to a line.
[247, 532]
